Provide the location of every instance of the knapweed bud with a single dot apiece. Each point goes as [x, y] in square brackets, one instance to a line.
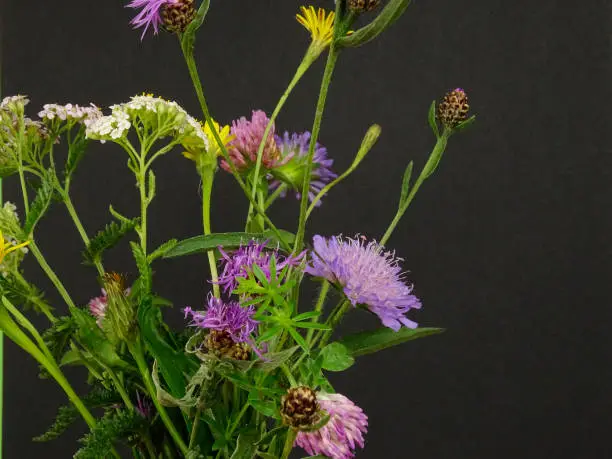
[299, 407]
[119, 322]
[360, 6]
[454, 108]
[178, 15]
[220, 343]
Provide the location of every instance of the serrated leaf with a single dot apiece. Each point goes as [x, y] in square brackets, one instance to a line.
[336, 357]
[142, 263]
[406, 183]
[76, 151]
[432, 119]
[39, 205]
[369, 342]
[389, 14]
[108, 238]
[203, 243]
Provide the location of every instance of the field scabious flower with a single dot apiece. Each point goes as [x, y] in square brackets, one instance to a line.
[344, 431]
[368, 275]
[248, 134]
[294, 153]
[240, 263]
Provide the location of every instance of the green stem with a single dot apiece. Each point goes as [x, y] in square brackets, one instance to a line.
[137, 353]
[194, 428]
[428, 169]
[332, 321]
[44, 307]
[24, 188]
[79, 226]
[332, 58]
[306, 62]
[119, 386]
[142, 186]
[275, 194]
[197, 84]
[318, 307]
[149, 445]
[289, 375]
[234, 426]
[289, 441]
[51, 274]
[208, 176]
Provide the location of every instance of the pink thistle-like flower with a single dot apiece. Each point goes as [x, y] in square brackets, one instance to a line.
[339, 438]
[368, 275]
[97, 307]
[248, 134]
[150, 15]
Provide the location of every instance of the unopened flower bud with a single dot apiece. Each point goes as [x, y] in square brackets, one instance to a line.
[361, 6]
[299, 407]
[220, 343]
[454, 108]
[178, 15]
[119, 321]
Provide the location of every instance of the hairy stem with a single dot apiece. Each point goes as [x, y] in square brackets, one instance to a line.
[208, 176]
[51, 274]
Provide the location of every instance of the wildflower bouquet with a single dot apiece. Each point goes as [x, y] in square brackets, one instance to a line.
[247, 377]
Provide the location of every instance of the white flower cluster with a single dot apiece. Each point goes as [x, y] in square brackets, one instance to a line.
[161, 116]
[11, 102]
[10, 209]
[114, 126]
[85, 115]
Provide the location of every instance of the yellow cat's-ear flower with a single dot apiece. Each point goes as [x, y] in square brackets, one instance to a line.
[6, 247]
[319, 22]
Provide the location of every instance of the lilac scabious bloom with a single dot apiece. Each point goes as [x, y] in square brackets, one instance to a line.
[240, 263]
[97, 307]
[150, 15]
[339, 438]
[247, 137]
[231, 318]
[294, 153]
[368, 275]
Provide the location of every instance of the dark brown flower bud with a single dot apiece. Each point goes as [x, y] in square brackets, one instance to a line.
[454, 108]
[360, 6]
[219, 342]
[299, 407]
[177, 16]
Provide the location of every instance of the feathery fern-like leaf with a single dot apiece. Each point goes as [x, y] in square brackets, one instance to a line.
[40, 204]
[107, 238]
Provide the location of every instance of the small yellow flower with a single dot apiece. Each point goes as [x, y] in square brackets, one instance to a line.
[7, 247]
[214, 150]
[319, 23]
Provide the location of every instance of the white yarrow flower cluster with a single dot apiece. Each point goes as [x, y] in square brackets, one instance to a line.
[111, 127]
[70, 112]
[12, 102]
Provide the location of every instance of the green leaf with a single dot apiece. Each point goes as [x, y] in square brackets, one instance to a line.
[162, 249]
[145, 281]
[203, 243]
[406, 183]
[299, 339]
[336, 357]
[94, 340]
[273, 360]
[369, 342]
[266, 407]
[174, 364]
[76, 151]
[111, 428]
[245, 446]
[389, 14]
[465, 124]
[108, 238]
[432, 119]
[39, 206]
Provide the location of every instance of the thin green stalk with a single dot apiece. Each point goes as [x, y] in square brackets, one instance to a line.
[79, 226]
[234, 426]
[332, 58]
[318, 307]
[119, 386]
[306, 62]
[275, 194]
[289, 441]
[289, 375]
[142, 186]
[195, 78]
[194, 428]
[137, 353]
[208, 176]
[24, 188]
[51, 274]
[429, 167]
[149, 445]
[44, 307]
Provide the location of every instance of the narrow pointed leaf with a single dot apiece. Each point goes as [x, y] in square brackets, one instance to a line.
[373, 341]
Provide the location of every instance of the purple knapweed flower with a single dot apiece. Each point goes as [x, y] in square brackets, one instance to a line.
[294, 154]
[339, 438]
[97, 307]
[150, 15]
[368, 275]
[230, 317]
[240, 263]
[248, 134]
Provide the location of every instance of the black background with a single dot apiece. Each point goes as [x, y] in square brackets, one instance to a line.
[508, 244]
